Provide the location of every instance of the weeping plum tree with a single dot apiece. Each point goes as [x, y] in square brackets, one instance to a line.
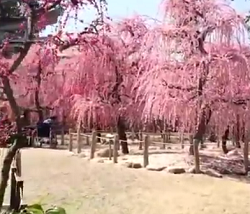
[15, 49]
[102, 78]
[200, 71]
[42, 83]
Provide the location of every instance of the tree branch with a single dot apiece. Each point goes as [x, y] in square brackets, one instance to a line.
[46, 7]
[171, 86]
[115, 93]
[91, 30]
[201, 38]
[20, 58]
[237, 102]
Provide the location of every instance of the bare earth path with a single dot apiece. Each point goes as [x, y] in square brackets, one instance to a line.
[81, 186]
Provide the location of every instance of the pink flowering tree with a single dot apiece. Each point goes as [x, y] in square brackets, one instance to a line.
[199, 72]
[100, 85]
[23, 51]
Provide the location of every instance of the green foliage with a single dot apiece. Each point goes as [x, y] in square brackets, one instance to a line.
[38, 209]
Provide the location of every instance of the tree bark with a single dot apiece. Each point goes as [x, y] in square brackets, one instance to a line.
[122, 135]
[212, 135]
[224, 139]
[237, 131]
[18, 143]
[20, 140]
[98, 133]
[15, 109]
[206, 114]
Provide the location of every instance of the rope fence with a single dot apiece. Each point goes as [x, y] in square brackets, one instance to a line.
[144, 143]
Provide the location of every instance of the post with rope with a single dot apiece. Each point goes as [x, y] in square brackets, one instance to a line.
[79, 139]
[246, 152]
[93, 144]
[87, 140]
[145, 151]
[181, 136]
[115, 149]
[70, 140]
[140, 139]
[110, 140]
[195, 144]
[16, 188]
[62, 136]
[164, 140]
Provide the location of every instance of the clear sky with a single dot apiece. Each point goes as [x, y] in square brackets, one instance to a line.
[118, 9]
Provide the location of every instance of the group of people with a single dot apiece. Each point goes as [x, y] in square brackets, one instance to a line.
[43, 131]
[46, 126]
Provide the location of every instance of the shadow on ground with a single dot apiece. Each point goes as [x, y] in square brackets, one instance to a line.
[227, 166]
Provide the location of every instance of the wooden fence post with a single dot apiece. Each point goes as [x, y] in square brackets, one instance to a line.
[140, 140]
[164, 140]
[145, 151]
[245, 155]
[115, 151]
[182, 139]
[118, 143]
[13, 185]
[87, 140]
[110, 149]
[79, 140]
[218, 141]
[16, 185]
[18, 161]
[70, 141]
[196, 154]
[169, 136]
[62, 136]
[93, 145]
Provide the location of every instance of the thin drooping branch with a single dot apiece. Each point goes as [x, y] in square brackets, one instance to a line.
[38, 79]
[178, 87]
[236, 102]
[63, 45]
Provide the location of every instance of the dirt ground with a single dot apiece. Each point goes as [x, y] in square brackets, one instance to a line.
[54, 177]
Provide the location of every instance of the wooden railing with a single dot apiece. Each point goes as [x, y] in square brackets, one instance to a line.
[16, 185]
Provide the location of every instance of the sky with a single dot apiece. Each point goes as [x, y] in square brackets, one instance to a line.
[118, 9]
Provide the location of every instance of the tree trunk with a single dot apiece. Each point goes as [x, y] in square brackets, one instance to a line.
[18, 143]
[224, 139]
[206, 114]
[212, 135]
[237, 131]
[136, 130]
[202, 145]
[16, 111]
[98, 134]
[122, 135]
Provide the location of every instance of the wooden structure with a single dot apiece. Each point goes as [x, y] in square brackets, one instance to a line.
[14, 13]
[16, 185]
